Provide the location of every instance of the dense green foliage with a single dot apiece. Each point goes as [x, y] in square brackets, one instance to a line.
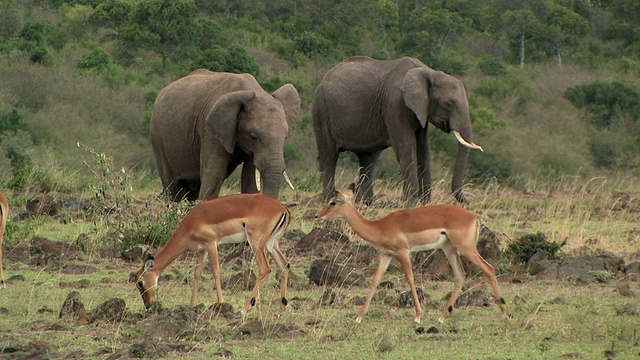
[89, 70]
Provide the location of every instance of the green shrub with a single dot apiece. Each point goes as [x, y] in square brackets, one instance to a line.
[489, 165]
[528, 245]
[492, 66]
[12, 121]
[120, 211]
[605, 149]
[96, 59]
[606, 100]
[234, 59]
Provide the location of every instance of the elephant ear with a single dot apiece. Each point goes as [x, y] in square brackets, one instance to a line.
[415, 92]
[290, 99]
[223, 117]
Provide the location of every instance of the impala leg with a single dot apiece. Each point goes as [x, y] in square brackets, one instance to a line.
[263, 271]
[489, 272]
[384, 261]
[405, 262]
[458, 273]
[2, 284]
[215, 269]
[197, 277]
[283, 264]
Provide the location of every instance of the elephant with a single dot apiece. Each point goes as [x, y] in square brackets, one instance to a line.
[207, 123]
[364, 106]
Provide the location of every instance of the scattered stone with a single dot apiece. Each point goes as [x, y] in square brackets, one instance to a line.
[624, 288]
[15, 279]
[222, 309]
[252, 327]
[629, 309]
[223, 353]
[72, 307]
[477, 298]
[324, 272]
[241, 281]
[112, 310]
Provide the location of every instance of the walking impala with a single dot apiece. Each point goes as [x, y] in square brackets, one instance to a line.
[259, 219]
[447, 227]
[4, 215]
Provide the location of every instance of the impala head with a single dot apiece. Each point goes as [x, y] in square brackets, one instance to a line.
[333, 208]
[147, 283]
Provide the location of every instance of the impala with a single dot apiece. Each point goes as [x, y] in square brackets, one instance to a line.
[259, 219]
[4, 214]
[447, 227]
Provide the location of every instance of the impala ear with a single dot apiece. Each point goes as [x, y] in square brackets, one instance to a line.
[148, 265]
[347, 194]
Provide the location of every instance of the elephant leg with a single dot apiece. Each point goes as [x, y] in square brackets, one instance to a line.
[248, 178]
[424, 164]
[407, 157]
[364, 185]
[213, 171]
[327, 160]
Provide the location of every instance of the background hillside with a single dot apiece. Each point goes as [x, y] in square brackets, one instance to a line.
[553, 85]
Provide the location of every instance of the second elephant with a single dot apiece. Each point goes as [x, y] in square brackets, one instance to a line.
[364, 106]
[207, 123]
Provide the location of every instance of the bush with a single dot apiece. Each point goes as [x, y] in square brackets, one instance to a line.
[606, 100]
[235, 59]
[528, 245]
[488, 165]
[492, 66]
[604, 149]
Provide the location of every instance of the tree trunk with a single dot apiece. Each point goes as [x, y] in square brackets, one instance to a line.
[521, 51]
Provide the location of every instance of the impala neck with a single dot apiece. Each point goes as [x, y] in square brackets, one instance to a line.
[165, 256]
[366, 229]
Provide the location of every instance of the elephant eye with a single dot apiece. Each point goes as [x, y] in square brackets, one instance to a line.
[253, 136]
[449, 104]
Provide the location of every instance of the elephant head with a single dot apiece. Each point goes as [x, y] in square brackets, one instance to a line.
[441, 99]
[258, 123]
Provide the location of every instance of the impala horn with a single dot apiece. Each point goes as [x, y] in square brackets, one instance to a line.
[465, 143]
[286, 178]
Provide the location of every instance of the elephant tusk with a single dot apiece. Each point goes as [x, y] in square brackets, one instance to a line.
[258, 179]
[465, 143]
[286, 178]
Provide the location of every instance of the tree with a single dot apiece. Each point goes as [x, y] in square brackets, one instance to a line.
[429, 31]
[522, 25]
[564, 28]
[388, 18]
[166, 27]
[112, 14]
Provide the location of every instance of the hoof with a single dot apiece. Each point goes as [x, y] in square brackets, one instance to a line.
[359, 319]
[441, 320]
[416, 320]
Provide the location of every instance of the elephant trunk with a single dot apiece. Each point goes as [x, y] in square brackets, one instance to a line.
[459, 173]
[271, 178]
[465, 143]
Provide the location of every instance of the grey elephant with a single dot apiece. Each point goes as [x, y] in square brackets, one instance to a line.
[364, 106]
[207, 123]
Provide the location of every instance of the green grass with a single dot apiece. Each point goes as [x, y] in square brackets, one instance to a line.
[546, 320]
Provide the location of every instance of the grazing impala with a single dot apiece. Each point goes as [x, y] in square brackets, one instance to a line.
[4, 215]
[259, 219]
[447, 227]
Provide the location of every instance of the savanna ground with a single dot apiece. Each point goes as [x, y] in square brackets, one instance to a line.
[545, 319]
